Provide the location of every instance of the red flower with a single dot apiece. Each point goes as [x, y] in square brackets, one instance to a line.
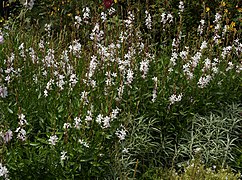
[108, 3]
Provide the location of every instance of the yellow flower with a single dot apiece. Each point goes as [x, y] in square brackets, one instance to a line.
[115, 1]
[223, 3]
[226, 11]
[207, 9]
[232, 24]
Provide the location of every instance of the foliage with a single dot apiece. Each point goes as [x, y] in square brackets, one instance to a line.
[112, 93]
[194, 169]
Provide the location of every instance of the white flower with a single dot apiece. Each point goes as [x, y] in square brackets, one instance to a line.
[53, 140]
[111, 11]
[130, 20]
[45, 93]
[106, 122]
[77, 122]
[8, 136]
[120, 91]
[203, 81]
[130, 76]
[3, 92]
[230, 66]
[96, 34]
[63, 155]
[48, 28]
[21, 134]
[217, 18]
[3, 171]
[88, 116]
[22, 120]
[1, 39]
[73, 80]
[103, 16]
[174, 98]
[181, 6]
[66, 126]
[154, 95]
[114, 114]
[207, 63]
[75, 48]
[78, 21]
[148, 21]
[183, 54]
[99, 118]
[29, 5]
[204, 45]
[86, 14]
[85, 144]
[121, 133]
[144, 67]
[125, 150]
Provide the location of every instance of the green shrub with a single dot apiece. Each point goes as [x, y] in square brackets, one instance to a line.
[112, 97]
[194, 169]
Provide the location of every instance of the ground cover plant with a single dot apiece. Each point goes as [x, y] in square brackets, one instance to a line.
[126, 91]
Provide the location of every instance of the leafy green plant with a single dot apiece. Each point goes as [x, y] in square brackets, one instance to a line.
[93, 94]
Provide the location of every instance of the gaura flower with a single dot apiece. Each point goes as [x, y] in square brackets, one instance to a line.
[1, 39]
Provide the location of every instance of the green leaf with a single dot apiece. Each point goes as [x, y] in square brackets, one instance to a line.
[9, 110]
[34, 144]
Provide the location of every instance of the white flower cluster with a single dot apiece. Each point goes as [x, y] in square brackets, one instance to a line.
[204, 81]
[238, 47]
[226, 51]
[166, 17]
[86, 14]
[97, 34]
[29, 4]
[63, 70]
[148, 21]
[3, 91]
[6, 136]
[20, 130]
[175, 98]
[1, 38]
[217, 27]
[121, 133]
[201, 26]
[78, 21]
[53, 140]
[154, 95]
[77, 122]
[48, 29]
[84, 143]
[85, 17]
[204, 45]
[104, 121]
[75, 48]
[63, 156]
[129, 22]
[10, 72]
[144, 67]
[3, 171]
[181, 7]
[103, 17]
[48, 87]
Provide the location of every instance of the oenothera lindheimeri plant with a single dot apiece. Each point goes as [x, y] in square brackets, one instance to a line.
[103, 100]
